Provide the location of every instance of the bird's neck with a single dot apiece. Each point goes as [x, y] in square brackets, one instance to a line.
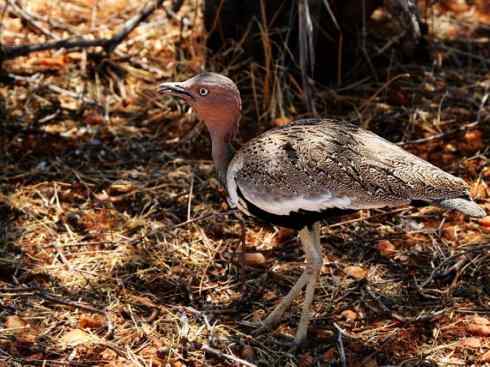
[222, 152]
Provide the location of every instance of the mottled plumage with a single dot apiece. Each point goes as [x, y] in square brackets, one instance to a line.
[316, 164]
[304, 172]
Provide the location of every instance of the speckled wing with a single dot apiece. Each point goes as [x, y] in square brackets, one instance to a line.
[313, 165]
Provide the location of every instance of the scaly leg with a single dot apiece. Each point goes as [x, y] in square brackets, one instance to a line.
[275, 316]
[313, 265]
[311, 242]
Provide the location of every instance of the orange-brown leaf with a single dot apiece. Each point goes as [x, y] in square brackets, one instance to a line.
[355, 272]
[485, 357]
[15, 323]
[91, 321]
[349, 315]
[252, 258]
[479, 326]
[471, 342]
[386, 248]
[283, 235]
[485, 221]
[281, 121]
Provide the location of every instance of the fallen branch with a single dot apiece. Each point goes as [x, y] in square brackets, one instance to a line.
[34, 291]
[440, 135]
[27, 17]
[227, 356]
[108, 44]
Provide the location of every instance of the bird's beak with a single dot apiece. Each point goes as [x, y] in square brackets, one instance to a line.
[175, 89]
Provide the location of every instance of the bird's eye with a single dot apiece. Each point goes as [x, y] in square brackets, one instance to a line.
[203, 92]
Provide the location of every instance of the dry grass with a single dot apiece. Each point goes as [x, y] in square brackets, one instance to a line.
[101, 262]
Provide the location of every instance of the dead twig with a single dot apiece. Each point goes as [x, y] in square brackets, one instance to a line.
[340, 344]
[193, 220]
[462, 259]
[383, 87]
[440, 135]
[52, 298]
[306, 53]
[25, 15]
[422, 316]
[54, 362]
[108, 44]
[227, 356]
[30, 291]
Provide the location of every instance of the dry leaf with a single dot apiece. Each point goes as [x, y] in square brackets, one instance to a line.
[478, 326]
[91, 321]
[472, 141]
[485, 357]
[251, 238]
[482, 330]
[15, 323]
[450, 232]
[456, 6]
[355, 272]
[479, 190]
[386, 248]
[55, 62]
[252, 259]
[146, 301]
[479, 320]
[93, 118]
[76, 337]
[485, 221]
[485, 172]
[470, 342]
[348, 315]
[283, 235]
[69, 103]
[281, 121]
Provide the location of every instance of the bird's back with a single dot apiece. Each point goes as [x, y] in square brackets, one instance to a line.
[317, 164]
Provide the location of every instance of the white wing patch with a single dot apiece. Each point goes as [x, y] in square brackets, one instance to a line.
[286, 206]
[282, 206]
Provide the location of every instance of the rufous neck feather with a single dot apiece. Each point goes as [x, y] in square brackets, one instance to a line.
[222, 150]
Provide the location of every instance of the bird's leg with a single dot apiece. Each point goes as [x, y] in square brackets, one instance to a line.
[314, 261]
[275, 316]
[307, 237]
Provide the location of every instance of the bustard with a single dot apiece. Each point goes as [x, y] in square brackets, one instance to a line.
[295, 175]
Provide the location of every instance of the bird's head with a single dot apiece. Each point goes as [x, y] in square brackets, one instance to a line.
[214, 97]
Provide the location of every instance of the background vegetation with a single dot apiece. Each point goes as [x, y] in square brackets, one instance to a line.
[116, 246]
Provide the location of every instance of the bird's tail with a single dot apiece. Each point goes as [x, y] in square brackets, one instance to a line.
[465, 206]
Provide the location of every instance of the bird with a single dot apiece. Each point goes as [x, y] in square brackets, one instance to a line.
[298, 174]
